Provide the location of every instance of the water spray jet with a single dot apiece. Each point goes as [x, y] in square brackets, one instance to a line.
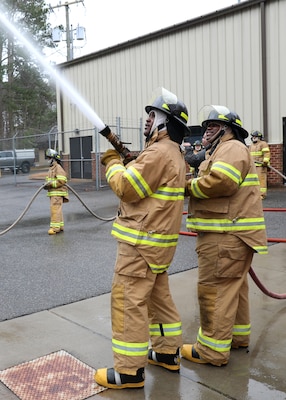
[67, 88]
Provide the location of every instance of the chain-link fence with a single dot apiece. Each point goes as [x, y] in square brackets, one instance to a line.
[80, 150]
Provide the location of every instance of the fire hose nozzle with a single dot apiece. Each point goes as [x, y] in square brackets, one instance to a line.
[116, 143]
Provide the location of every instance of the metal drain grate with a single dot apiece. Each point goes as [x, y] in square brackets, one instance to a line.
[56, 376]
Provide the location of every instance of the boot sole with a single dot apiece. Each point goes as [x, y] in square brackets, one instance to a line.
[103, 382]
[173, 368]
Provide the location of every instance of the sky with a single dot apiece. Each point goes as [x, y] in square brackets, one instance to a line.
[111, 22]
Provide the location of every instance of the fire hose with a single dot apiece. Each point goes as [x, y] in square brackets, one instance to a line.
[272, 168]
[36, 194]
[252, 274]
[117, 144]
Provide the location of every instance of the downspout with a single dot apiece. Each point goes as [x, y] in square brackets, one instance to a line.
[264, 71]
[61, 118]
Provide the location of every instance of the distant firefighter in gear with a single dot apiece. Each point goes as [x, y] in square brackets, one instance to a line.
[225, 209]
[260, 153]
[191, 157]
[151, 190]
[57, 191]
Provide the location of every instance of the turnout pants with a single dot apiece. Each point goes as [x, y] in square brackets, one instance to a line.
[262, 176]
[224, 261]
[56, 208]
[142, 308]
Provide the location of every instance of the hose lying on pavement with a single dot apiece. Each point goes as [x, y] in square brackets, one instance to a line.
[36, 194]
[23, 213]
[88, 209]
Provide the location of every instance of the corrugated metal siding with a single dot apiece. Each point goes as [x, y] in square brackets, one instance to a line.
[276, 68]
[215, 61]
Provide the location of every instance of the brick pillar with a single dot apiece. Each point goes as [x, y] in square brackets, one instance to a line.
[66, 164]
[276, 160]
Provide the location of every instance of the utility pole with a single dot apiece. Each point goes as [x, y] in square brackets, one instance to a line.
[69, 38]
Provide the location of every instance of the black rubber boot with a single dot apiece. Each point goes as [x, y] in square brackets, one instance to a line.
[168, 361]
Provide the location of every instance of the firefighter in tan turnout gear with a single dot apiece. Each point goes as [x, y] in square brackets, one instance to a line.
[225, 209]
[57, 191]
[260, 153]
[151, 190]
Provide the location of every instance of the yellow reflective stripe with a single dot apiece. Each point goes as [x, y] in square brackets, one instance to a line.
[256, 153]
[147, 238]
[184, 115]
[265, 150]
[61, 177]
[227, 170]
[55, 224]
[221, 116]
[159, 269]
[174, 329]
[250, 180]
[54, 180]
[261, 249]
[241, 330]
[168, 193]
[238, 122]
[57, 193]
[216, 345]
[224, 224]
[113, 170]
[130, 349]
[138, 182]
[196, 189]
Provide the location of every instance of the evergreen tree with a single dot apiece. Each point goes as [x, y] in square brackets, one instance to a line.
[27, 96]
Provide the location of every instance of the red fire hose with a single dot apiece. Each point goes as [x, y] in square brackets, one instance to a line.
[263, 288]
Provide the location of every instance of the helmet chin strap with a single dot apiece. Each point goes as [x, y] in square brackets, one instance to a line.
[220, 133]
[216, 139]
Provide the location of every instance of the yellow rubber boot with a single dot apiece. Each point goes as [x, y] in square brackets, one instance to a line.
[112, 379]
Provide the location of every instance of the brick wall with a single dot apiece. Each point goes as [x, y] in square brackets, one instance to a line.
[276, 161]
[65, 162]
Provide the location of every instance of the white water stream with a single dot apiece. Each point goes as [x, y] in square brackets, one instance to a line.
[65, 86]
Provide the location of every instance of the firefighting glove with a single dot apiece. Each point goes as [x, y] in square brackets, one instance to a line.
[128, 159]
[108, 156]
[47, 186]
[265, 163]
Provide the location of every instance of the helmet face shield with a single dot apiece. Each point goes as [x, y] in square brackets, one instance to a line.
[167, 102]
[51, 153]
[221, 114]
[161, 99]
[213, 113]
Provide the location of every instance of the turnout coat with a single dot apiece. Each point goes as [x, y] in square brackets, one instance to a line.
[151, 189]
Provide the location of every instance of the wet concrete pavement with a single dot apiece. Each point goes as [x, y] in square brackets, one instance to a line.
[81, 326]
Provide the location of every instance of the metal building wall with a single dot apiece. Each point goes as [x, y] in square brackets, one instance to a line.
[217, 59]
[276, 68]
